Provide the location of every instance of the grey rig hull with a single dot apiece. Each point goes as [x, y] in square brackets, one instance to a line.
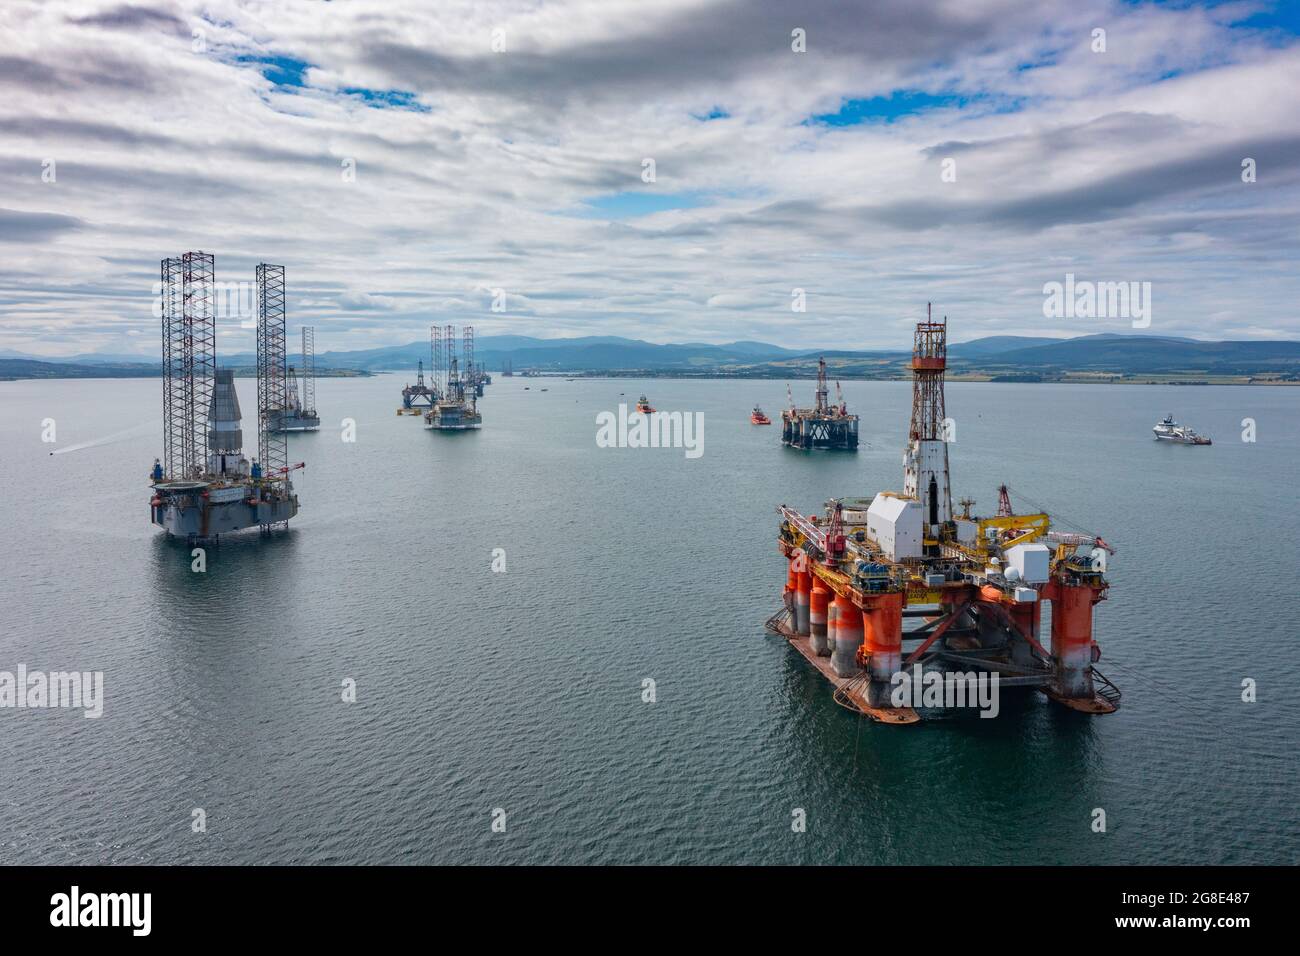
[295, 422]
[452, 417]
[184, 512]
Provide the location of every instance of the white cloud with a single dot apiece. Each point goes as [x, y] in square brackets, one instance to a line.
[1115, 166]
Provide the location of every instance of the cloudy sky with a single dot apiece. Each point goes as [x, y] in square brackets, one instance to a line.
[404, 160]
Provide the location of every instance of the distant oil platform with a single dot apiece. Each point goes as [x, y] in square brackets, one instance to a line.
[856, 571]
[822, 426]
[418, 396]
[457, 387]
[299, 414]
[479, 378]
[203, 485]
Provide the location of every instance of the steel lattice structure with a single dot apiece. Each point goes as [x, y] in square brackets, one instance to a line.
[437, 362]
[189, 343]
[929, 357]
[272, 445]
[467, 356]
[308, 370]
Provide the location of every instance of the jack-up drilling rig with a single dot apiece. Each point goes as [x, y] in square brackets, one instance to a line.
[299, 413]
[859, 569]
[204, 486]
[457, 406]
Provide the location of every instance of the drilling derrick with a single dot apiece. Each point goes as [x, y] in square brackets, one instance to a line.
[925, 464]
[292, 403]
[420, 395]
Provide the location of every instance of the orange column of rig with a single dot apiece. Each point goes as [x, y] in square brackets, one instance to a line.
[1072, 645]
[817, 604]
[882, 649]
[848, 637]
[802, 597]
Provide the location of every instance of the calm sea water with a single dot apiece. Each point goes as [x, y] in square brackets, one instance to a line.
[523, 690]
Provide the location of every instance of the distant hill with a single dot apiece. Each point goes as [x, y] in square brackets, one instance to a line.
[1142, 353]
[1000, 357]
[995, 344]
[587, 353]
[12, 368]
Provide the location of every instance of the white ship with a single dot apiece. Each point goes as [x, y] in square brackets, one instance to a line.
[1169, 430]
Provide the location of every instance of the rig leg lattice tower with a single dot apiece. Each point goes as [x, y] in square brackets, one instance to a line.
[272, 444]
[189, 341]
[308, 370]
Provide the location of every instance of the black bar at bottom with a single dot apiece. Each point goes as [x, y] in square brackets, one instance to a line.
[334, 904]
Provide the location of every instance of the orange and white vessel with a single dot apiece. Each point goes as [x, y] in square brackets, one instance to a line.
[643, 406]
[758, 417]
[864, 565]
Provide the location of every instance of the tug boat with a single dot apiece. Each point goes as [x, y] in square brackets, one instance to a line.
[1169, 430]
[756, 417]
[643, 406]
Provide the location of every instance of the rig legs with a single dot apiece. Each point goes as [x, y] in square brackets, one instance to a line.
[882, 622]
[802, 598]
[832, 625]
[817, 620]
[1072, 640]
[848, 638]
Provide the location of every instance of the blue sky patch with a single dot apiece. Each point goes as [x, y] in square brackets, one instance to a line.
[1280, 15]
[629, 205]
[716, 113]
[281, 70]
[886, 109]
[388, 99]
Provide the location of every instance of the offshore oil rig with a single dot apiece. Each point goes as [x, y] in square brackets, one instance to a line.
[822, 426]
[456, 407]
[864, 565]
[479, 378]
[299, 414]
[419, 395]
[203, 485]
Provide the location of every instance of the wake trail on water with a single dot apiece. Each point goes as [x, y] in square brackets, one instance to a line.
[106, 440]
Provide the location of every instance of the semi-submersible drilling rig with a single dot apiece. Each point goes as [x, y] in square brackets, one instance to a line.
[860, 568]
[203, 485]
